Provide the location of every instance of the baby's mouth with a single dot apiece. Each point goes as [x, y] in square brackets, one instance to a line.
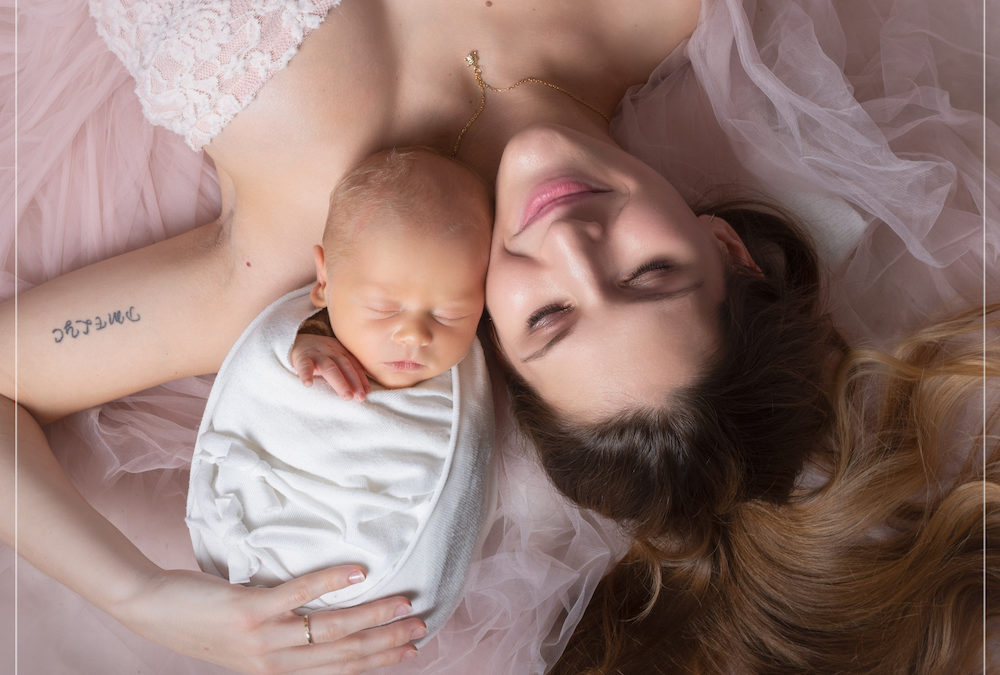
[404, 365]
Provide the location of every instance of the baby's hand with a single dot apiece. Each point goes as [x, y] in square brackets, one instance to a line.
[314, 355]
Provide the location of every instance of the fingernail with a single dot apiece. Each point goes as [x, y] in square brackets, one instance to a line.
[403, 610]
[356, 577]
[418, 632]
[409, 654]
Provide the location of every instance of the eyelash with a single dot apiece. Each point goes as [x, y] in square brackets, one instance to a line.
[539, 315]
[449, 319]
[651, 266]
[389, 313]
[555, 308]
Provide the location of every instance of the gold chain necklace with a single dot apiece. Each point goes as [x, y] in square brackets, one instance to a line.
[472, 60]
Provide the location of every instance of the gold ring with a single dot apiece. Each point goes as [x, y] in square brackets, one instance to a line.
[309, 633]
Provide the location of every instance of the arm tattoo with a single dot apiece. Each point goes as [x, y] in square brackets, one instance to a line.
[75, 328]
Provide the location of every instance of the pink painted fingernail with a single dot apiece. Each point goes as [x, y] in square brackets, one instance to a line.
[418, 632]
[356, 577]
[403, 610]
[409, 654]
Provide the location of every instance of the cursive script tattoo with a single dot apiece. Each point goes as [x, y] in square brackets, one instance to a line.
[74, 328]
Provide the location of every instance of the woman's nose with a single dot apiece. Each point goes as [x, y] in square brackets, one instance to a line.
[413, 332]
[575, 250]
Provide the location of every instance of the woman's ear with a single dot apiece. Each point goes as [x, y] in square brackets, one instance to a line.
[733, 250]
[318, 292]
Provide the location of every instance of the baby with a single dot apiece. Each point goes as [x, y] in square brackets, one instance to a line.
[401, 273]
[288, 479]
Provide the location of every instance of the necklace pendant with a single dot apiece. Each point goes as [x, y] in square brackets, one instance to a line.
[471, 58]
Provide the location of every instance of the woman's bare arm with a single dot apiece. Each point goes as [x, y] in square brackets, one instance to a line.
[165, 311]
[248, 629]
[156, 314]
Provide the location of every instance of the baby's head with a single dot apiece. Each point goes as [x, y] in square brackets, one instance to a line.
[403, 264]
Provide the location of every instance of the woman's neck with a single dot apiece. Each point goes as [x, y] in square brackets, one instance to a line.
[509, 112]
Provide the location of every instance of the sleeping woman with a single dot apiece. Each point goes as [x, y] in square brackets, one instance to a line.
[683, 366]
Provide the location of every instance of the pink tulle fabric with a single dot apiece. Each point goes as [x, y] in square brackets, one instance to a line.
[864, 118]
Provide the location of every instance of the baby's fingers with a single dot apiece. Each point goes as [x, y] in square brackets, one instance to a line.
[345, 376]
[305, 367]
[337, 378]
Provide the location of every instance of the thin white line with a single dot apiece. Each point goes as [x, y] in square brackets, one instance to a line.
[17, 273]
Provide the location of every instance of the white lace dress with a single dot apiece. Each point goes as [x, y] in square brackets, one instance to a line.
[197, 64]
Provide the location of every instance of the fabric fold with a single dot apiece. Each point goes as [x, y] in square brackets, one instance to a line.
[309, 481]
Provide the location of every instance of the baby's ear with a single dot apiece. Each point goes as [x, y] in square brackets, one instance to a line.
[318, 292]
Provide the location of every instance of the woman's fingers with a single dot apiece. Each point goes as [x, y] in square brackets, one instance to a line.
[373, 646]
[293, 594]
[331, 626]
[389, 657]
[349, 640]
[254, 629]
[335, 625]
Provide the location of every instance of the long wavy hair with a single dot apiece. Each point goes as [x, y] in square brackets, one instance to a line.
[797, 509]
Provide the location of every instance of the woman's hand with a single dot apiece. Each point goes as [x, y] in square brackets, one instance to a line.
[254, 630]
[314, 355]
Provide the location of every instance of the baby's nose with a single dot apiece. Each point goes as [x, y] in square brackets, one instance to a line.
[413, 332]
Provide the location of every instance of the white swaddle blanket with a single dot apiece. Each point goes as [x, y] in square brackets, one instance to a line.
[288, 479]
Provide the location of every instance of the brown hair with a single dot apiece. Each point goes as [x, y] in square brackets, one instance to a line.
[780, 506]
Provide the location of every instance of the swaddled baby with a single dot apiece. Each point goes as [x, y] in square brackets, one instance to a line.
[389, 474]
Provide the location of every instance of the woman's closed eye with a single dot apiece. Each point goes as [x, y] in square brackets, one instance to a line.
[547, 315]
[648, 271]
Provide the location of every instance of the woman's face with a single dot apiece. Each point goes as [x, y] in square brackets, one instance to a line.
[603, 285]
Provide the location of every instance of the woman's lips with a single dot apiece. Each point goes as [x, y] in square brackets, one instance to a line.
[551, 194]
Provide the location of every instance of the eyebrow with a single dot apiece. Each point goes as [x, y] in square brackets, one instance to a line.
[653, 297]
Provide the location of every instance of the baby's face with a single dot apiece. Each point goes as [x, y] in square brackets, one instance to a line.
[407, 303]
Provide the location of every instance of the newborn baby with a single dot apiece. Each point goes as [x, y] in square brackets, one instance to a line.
[288, 479]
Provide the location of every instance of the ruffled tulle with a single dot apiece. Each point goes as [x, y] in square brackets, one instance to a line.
[93, 177]
[863, 118]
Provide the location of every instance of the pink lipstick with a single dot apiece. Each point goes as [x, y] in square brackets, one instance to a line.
[551, 194]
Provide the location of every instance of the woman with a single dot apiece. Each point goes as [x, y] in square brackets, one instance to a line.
[277, 160]
[422, 120]
[794, 507]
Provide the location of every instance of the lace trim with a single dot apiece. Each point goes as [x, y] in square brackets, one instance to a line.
[197, 64]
